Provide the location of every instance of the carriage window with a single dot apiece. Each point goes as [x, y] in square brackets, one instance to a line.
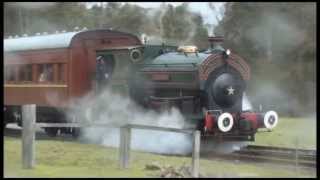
[46, 73]
[61, 72]
[9, 73]
[16, 73]
[28, 72]
[25, 73]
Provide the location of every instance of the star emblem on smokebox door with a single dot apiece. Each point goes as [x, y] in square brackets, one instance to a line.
[230, 90]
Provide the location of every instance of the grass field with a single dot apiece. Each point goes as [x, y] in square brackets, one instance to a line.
[290, 132]
[72, 159]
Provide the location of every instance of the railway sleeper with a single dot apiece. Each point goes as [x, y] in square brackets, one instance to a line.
[283, 155]
[264, 159]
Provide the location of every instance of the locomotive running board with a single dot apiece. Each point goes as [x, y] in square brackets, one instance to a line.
[171, 98]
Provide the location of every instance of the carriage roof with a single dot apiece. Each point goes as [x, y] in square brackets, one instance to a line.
[50, 41]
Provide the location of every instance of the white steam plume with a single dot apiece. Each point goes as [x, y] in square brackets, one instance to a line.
[219, 14]
[275, 34]
[246, 104]
[223, 147]
[117, 110]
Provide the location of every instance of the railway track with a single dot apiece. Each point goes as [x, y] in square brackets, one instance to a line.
[278, 155]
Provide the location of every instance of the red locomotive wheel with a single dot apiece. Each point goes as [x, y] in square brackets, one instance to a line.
[225, 122]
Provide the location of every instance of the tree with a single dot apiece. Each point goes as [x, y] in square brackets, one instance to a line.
[278, 41]
[170, 23]
[183, 26]
[129, 18]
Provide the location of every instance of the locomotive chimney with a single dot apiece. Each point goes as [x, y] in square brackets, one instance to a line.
[216, 43]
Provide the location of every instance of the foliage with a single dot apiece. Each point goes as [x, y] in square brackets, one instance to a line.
[181, 25]
[167, 22]
[42, 18]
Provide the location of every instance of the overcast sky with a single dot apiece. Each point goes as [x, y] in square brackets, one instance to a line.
[200, 7]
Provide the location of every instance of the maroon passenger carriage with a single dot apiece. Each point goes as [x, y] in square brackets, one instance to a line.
[68, 59]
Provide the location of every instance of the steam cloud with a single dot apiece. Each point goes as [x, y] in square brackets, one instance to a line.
[117, 110]
[277, 35]
[246, 104]
[272, 97]
[224, 147]
[219, 16]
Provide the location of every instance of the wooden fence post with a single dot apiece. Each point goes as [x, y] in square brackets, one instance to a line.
[124, 155]
[196, 153]
[28, 135]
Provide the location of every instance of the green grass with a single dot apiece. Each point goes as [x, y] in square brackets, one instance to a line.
[71, 159]
[290, 132]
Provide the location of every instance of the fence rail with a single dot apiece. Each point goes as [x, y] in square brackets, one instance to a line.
[102, 125]
[30, 125]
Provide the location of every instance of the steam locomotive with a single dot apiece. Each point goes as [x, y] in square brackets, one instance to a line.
[207, 87]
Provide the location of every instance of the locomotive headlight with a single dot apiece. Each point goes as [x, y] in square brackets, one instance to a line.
[228, 52]
[270, 119]
[225, 122]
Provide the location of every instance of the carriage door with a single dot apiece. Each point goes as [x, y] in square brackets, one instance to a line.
[104, 69]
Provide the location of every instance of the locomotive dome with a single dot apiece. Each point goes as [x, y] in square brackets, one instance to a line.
[188, 49]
